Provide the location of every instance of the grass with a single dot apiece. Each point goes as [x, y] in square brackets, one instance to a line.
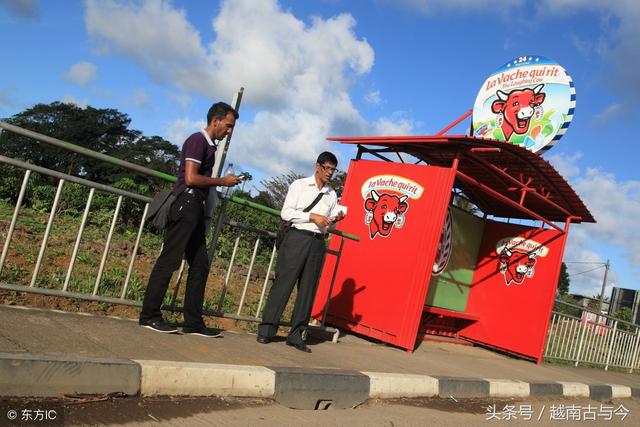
[29, 232]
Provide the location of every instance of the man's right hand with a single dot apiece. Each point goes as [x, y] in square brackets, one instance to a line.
[319, 220]
[230, 180]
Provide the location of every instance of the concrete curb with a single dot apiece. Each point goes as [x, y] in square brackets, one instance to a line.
[38, 375]
[309, 388]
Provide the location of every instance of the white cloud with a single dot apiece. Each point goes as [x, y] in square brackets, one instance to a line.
[70, 99]
[296, 75]
[616, 42]
[373, 97]
[567, 165]
[178, 131]
[612, 112]
[139, 98]
[81, 73]
[393, 127]
[616, 207]
[181, 99]
[432, 6]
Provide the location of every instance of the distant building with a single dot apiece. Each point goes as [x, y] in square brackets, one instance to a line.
[621, 298]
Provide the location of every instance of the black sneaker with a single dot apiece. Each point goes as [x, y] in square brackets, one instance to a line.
[203, 331]
[158, 325]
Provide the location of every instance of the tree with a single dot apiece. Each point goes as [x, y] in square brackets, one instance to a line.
[563, 280]
[277, 188]
[103, 130]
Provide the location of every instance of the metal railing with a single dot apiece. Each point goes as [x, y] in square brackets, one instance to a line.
[237, 294]
[592, 338]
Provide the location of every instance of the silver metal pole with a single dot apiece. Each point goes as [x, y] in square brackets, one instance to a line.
[584, 328]
[604, 285]
[246, 282]
[107, 244]
[45, 240]
[135, 251]
[83, 222]
[14, 219]
[226, 280]
[266, 280]
[611, 341]
[635, 352]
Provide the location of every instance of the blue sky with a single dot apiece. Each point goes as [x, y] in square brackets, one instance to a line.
[313, 69]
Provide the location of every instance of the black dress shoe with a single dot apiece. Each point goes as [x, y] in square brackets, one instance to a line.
[300, 346]
[263, 340]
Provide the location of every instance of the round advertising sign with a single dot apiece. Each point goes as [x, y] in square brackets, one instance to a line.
[528, 102]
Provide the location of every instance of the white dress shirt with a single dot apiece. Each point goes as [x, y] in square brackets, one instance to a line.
[300, 195]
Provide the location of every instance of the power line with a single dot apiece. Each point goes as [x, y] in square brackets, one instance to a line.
[586, 271]
[584, 262]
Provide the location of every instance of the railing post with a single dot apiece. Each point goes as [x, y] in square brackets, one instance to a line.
[72, 262]
[135, 251]
[16, 211]
[45, 239]
[584, 329]
[613, 337]
[228, 276]
[107, 244]
[266, 279]
[635, 351]
[246, 282]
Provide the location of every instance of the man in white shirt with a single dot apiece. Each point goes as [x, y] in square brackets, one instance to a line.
[301, 253]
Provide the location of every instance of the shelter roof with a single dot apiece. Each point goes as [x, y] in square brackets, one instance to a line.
[486, 167]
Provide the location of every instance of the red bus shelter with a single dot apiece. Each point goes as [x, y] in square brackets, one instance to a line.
[487, 273]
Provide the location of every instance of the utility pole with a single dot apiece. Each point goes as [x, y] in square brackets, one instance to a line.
[604, 285]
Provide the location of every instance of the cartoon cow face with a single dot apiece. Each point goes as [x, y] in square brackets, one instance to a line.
[517, 107]
[384, 209]
[516, 265]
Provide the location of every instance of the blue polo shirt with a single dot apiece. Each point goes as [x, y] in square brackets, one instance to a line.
[198, 148]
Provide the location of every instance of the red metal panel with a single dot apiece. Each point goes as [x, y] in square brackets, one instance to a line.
[514, 305]
[382, 281]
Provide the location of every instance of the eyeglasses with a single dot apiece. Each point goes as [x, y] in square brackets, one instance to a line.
[328, 168]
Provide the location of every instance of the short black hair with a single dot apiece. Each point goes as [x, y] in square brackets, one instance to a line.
[325, 157]
[220, 110]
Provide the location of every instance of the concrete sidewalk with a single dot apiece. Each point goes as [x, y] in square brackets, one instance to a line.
[51, 353]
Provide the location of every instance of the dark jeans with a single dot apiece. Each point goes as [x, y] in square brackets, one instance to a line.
[300, 260]
[185, 235]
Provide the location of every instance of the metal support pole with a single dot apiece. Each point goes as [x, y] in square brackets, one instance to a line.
[584, 329]
[176, 287]
[635, 351]
[604, 285]
[611, 341]
[333, 279]
[83, 222]
[226, 280]
[246, 282]
[106, 246]
[14, 219]
[135, 251]
[266, 279]
[45, 240]
[216, 234]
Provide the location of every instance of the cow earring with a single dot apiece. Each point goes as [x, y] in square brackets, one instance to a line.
[538, 112]
[400, 220]
[499, 120]
[368, 217]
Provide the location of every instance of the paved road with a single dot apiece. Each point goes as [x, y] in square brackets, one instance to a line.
[135, 412]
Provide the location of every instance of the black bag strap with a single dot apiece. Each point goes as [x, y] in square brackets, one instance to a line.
[315, 202]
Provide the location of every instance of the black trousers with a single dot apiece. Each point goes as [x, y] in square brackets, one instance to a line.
[300, 260]
[185, 235]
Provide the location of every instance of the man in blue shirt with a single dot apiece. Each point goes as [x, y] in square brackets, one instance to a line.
[185, 234]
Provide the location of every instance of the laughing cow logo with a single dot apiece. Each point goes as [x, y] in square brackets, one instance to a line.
[386, 201]
[517, 259]
[515, 109]
[384, 211]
